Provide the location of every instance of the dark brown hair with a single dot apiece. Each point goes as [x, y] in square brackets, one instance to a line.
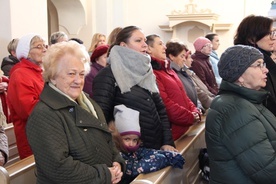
[251, 29]
[210, 36]
[123, 36]
[175, 48]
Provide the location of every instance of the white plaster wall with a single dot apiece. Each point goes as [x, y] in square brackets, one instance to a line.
[18, 18]
[5, 27]
[149, 14]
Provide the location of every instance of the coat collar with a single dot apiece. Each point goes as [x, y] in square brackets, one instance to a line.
[83, 118]
[254, 96]
[158, 64]
[200, 55]
[25, 63]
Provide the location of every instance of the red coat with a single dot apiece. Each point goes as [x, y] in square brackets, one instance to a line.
[3, 97]
[25, 86]
[179, 107]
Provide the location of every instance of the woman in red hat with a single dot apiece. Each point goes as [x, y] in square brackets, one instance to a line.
[98, 61]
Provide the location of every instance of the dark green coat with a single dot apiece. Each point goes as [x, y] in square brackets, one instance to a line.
[241, 137]
[70, 145]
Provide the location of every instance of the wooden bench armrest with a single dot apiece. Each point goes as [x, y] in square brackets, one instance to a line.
[4, 175]
[22, 165]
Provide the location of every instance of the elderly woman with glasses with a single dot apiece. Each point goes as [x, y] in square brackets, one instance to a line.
[201, 64]
[240, 130]
[257, 31]
[25, 85]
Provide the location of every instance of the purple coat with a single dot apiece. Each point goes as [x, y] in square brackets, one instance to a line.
[95, 68]
[203, 69]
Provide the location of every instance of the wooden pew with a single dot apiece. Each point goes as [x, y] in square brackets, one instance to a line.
[21, 172]
[16, 171]
[188, 145]
[13, 152]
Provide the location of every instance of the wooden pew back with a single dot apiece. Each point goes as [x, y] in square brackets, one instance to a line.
[21, 172]
[17, 171]
[13, 152]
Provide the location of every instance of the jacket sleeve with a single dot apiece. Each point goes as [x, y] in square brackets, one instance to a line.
[4, 144]
[57, 164]
[167, 133]
[23, 95]
[204, 97]
[177, 114]
[255, 154]
[201, 74]
[104, 90]
[145, 161]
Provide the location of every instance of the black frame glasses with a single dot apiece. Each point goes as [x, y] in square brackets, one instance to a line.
[272, 34]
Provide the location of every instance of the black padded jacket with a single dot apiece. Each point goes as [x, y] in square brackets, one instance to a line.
[154, 123]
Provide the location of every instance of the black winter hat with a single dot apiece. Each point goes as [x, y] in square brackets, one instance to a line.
[235, 60]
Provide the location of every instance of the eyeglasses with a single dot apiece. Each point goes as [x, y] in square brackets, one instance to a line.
[272, 34]
[40, 47]
[208, 45]
[259, 65]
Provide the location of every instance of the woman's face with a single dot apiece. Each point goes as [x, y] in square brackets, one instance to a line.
[266, 43]
[207, 49]
[189, 61]
[136, 42]
[102, 60]
[158, 49]
[101, 41]
[215, 42]
[179, 59]
[37, 51]
[130, 140]
[70, 76]
[254, 76]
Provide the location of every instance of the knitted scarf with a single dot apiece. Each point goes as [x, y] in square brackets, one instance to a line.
[132, 68]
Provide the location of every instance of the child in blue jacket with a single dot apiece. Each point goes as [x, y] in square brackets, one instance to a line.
[126, 134]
